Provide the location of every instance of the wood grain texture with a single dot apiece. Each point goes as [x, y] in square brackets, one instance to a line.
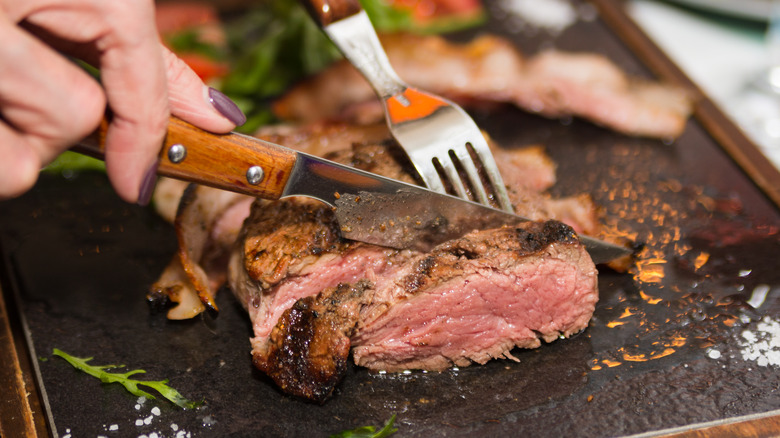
[216, 160]
[20, 411]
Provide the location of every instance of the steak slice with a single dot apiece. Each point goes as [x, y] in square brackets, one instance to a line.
[475, 298]
[488, 71]
[471, 299]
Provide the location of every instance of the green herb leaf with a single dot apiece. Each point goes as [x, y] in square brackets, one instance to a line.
[125, 380]
[190, 41]
[369, 431]
[72, 161]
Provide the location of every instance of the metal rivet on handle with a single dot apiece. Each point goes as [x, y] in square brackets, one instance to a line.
[177, 153]
[254, 175]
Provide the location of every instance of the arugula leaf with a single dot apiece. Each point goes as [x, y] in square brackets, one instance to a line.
[369, 431]
[125, 380]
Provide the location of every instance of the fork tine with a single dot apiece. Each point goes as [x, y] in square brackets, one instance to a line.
[452, 175]
[472, 174]
[429, 175]
[484, 154]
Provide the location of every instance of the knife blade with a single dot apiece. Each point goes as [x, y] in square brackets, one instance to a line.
[368, 207]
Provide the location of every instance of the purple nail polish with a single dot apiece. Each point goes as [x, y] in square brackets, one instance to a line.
[226, 107]
[147, 185]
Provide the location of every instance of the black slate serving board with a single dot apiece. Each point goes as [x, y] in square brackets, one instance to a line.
[664, 348]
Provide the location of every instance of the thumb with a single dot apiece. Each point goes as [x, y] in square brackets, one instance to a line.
[191, 100]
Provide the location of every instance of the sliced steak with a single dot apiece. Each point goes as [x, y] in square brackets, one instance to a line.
[475, 298]
[469, 300]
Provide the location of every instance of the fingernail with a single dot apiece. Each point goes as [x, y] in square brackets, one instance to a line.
[147, 185]
[226, 107]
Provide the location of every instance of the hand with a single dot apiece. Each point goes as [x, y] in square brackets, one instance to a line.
[48, 104]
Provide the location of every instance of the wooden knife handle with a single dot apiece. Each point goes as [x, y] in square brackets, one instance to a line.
[326, 12]
[218, 160]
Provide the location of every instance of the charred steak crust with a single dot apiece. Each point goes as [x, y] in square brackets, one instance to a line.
[302, 228]
[308, 349]
[445, 261]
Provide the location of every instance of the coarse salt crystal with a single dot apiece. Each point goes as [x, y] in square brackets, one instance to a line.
[714, 354]
[758, 296]
[156, 411]
[113, 427]
[762, 345]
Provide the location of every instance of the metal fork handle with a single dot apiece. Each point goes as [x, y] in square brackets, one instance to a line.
[350, 29]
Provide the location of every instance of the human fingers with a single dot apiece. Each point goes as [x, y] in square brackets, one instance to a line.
[39, 116]
[120, 38]
[133, 75]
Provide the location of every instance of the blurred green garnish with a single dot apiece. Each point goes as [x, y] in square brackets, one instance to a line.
[369, 431]
[71, 161]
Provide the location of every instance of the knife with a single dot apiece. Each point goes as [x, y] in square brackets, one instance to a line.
[368, 207]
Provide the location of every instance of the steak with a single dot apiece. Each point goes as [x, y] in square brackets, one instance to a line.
[471, 299]
[313, 297]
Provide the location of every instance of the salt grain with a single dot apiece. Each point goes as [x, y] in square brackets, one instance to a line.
[713, 354]
[758, 296]
[762, 345]
[156, 411]
[139, 422]
[113, 427]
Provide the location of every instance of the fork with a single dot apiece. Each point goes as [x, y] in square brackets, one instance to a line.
[439, 137]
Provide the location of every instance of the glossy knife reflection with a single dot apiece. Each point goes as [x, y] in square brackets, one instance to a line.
[368, 207]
